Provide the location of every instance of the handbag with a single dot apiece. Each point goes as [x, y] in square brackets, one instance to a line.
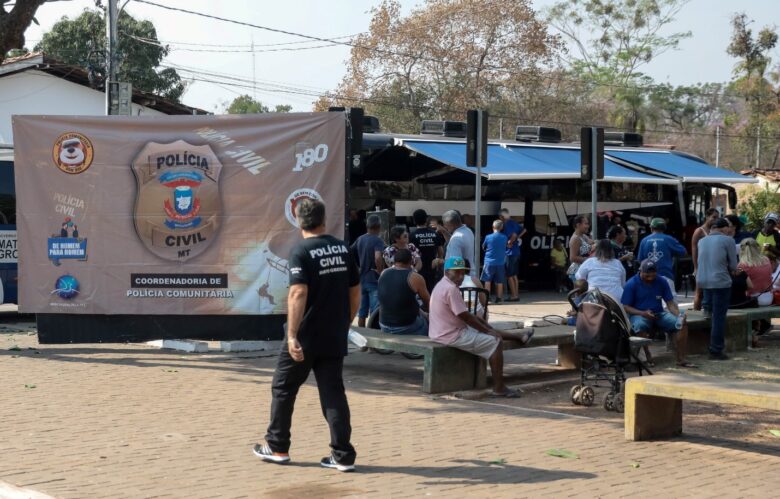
[573, 268]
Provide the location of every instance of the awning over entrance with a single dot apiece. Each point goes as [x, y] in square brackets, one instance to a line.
[510, 162]
[569, 158]
[503, 164]
[686, 167]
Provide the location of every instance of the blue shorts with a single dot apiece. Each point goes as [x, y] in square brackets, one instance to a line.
[665, 321]
[494, 273]
[512, 265]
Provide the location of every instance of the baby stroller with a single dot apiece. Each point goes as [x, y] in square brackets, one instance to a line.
[603, 337]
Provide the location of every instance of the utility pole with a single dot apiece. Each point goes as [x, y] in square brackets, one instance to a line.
[500, 128]
[717, 163]
[111, 45]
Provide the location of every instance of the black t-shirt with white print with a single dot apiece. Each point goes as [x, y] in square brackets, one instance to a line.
[326, 266]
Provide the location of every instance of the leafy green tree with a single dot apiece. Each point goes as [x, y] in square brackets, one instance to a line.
[759, 86]
[82, 41]
[614, 38]
[759, 202]
[608, 43]
[14, 22]
[245, 104]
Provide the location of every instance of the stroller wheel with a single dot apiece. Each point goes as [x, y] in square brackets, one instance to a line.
[619, 403]
[574, 394]
[609, 401]
[587, 396]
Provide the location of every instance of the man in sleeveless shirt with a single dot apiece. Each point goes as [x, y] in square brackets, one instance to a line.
[399, 287]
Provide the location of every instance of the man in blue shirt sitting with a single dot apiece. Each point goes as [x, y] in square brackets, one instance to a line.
[643, 298]
[495, 259]
[661, 249]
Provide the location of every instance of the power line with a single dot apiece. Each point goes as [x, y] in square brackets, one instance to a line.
[417, 56]
[276, 87]
[231, 51]
[241, 45]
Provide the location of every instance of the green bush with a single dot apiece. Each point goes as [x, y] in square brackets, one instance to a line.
[757, 203]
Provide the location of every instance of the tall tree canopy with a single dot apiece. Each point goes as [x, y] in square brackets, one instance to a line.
[445, 57]
[246, 104]
[15, 17]
[82, 41]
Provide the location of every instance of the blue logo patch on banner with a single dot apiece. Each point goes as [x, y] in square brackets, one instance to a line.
[66, 247]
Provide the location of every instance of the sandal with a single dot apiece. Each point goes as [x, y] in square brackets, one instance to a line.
[509, 394]
[687, 365]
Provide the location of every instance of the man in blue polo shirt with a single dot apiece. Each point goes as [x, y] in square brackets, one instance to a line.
[661, 249]
[643, 298]
[513, 232]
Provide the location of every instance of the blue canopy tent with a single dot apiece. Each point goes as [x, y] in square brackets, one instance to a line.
[688, 168]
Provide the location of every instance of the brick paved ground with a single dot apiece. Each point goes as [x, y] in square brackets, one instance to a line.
[131, 421]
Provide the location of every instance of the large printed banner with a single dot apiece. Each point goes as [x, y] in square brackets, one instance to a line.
[171, 214]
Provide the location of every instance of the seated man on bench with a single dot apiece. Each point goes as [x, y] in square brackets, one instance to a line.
[643, 298]
[399, 287]
[453, 325]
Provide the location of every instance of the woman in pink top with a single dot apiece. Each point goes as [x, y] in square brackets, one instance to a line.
[759, 271]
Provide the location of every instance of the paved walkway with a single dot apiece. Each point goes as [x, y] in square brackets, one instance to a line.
[132, 421]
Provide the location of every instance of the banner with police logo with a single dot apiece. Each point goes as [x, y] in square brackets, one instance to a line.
[169, 214]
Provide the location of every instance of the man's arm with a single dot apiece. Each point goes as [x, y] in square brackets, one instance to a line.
[635, 311]
[478, 324]
[379, 261]
[417, 283]
[672, 306]
[296, 304]
[354, 302]
[677, 248]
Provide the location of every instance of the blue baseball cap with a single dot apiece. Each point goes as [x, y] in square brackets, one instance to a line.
[455, 263]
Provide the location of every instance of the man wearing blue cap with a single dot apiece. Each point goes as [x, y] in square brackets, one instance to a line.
[643, 299]
[452, 324]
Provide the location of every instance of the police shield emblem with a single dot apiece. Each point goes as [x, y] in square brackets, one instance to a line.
[177, 204]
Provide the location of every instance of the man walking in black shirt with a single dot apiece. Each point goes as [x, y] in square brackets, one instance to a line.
[431, 246]
[322, 302]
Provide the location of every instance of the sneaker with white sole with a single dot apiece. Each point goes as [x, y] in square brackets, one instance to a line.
[266, 454]
[330, 462]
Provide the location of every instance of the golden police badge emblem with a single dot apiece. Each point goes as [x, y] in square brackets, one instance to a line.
[177, 203]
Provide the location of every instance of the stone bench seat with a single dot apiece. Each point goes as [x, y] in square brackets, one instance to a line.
[654, 403]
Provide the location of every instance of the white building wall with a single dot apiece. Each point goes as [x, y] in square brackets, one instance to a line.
[36, 92]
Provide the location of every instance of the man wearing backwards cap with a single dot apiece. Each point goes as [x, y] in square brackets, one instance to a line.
[767, 237]
[642, 298]
[452, 324]
[661, 249]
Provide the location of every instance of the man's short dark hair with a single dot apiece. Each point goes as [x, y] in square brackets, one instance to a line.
[403, 256]
[373, 222]
[310, 213]
[419, 217]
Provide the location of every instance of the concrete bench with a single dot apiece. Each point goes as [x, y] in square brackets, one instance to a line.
[447, 369]
[699, 328]
[755, 314]
[654, 403]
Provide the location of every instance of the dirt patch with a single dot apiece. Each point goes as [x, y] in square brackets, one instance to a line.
[740, 425]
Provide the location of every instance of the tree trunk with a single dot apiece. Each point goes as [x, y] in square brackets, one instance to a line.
[13, 24]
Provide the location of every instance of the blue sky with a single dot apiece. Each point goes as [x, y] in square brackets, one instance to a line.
[284, 75]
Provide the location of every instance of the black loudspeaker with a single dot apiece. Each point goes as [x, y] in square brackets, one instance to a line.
[732, 194]
[587, 144]
[476, 138]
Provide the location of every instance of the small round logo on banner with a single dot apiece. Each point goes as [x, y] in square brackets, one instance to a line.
[72, 153]
[66, 287]
[295, 198]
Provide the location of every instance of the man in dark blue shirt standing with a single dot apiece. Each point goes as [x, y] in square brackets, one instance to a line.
[368, 249]
[661, 249]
